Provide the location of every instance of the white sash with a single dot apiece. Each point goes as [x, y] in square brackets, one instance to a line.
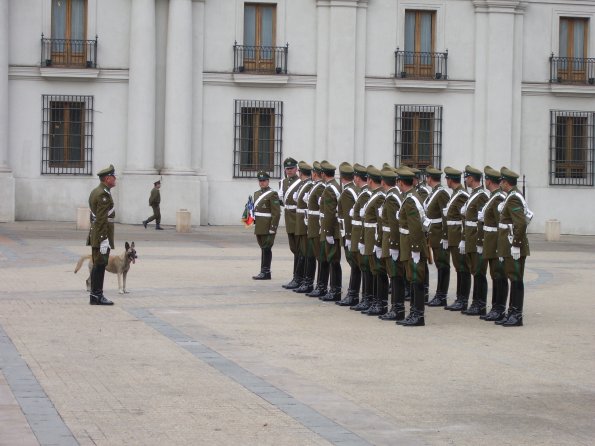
[268, 192]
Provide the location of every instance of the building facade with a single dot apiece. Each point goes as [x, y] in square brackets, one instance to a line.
[204, 93]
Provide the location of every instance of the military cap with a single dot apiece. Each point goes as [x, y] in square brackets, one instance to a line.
[107, 171]
[262, 175]
[289, 163]
[374, 173]
[452, 173]
[360, 170]
[345, 167]
[386, 166]
[157, 182]
[433, 172]
[316, 166]
[388, 172]
[508, 174]
[491, 174]
[416, 171]
[327, 167]
[405, 173]
[472, 171]
[305, 167]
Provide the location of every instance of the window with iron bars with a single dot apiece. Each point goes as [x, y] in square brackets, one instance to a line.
[258, 128]
[572, 145]
[67, 135]
[418, 135]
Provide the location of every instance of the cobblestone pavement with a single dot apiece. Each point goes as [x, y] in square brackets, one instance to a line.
[199, 354]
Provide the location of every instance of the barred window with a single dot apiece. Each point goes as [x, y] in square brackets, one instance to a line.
[571, 148]
[258, 127]
[67, 135]
[418, 135]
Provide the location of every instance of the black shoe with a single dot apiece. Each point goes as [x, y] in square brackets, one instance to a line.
[158, 228]
[413, 320]
[503, 319]
[262, 276]
[318, 292]
[376, 310]
[349, 300]
[457, 305]
[390, 315]
[437, 301]
[100, 300]
[145, 223]
[475, 309]
[304, 288]
[93, 299]
[493, 315]
[291, 285]
[364, 304]
[515, 319]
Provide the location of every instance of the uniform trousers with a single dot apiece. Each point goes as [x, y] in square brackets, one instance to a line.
[458, 260]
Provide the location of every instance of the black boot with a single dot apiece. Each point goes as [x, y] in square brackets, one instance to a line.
[456, 305]
[427, 285]
[334, 294]
[158, 227]
[372, 295]
[498, 311]
[97, 297]
[321, 285]
[379, 307]
[515, 311]
[265, 272]
[439, 299]
[298, 267]
[307, 284]
[367, 292]
[352, 296]
[465, 289]
[480, 292]
[407, 289]
[416, 316]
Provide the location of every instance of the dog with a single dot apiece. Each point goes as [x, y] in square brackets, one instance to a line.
[116, 264]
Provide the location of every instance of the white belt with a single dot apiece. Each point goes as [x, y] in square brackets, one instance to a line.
[435, 221]
[301, 211]
[263, 214]
[356, 222]
[454, 223]
[313, 213]
[503, 226]
[290, 206]
[404, 231]
[111, 219]
[471, 223]
[370, 225]
[490, 229]
[386, 229]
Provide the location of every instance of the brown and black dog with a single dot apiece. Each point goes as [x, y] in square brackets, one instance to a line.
[116, 264]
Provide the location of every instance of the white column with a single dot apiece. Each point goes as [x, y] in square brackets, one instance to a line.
[197, 74]
[140, 150]
[360, 83]
[322, 76]
[178, 90]
[4, 86]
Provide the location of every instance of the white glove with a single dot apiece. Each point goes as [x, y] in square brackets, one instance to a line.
[394, 253]
[362, 248]
[330, 240]
[480, 250]
[415, 255]
[272, 232]
[515, 251]
[480, 216]
[378, 251]
[444, 244]
[348, 244]
[295, 196]
[462, 247]
[500, 207]
[351, 212]
[361, 213]
[306, 196]
[104, 246]
[444, 211]
[501, 259]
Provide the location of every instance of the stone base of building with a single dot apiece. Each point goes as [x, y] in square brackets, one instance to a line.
[7, 197]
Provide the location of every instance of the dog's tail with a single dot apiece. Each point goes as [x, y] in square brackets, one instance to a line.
[80, 263]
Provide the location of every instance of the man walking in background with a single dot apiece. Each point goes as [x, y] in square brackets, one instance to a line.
[154, 201]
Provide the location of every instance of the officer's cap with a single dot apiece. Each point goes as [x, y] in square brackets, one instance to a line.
[157, 182]
[452, 173]
[374, 173]
[262, 175]
[107, 171]
[508, 174]
[386, 166]
[491, 174]
[328, 168]
[316, 167]
[433, 171]
[360, 170]
[472, 171]
[405, 173]
[388, 173]
[305, 167]
[346, 168]
[289, 163]
[416, 171]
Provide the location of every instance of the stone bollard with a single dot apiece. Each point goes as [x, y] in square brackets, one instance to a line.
[82, 218]
[552, 230]
[183, 221]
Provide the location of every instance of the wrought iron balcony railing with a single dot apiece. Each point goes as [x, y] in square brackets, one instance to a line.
[572, 70]
[421, 65]
[260, 59]
[70, 53]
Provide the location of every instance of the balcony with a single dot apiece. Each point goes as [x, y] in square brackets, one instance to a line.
[572, 70]
[421, 65]
[68, 53]
[260, 59]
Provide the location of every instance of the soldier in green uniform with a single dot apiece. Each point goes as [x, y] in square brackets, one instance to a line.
[487, 244]
[452, 234]
[313, 217]
[267, 212]
[468, 245]
[433, 205]
[101, 233]
[413, 246]
[288, 194]
[513, 245]
[301, 230]
[330, 234]
[154, 201]
[360, 178]
[346, 201]
[422, 189]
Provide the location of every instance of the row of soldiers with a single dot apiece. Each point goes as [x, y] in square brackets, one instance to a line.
[391, 225]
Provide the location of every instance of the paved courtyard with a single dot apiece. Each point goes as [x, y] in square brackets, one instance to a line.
[197, 353]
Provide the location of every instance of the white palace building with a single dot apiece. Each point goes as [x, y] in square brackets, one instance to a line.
[204, 93]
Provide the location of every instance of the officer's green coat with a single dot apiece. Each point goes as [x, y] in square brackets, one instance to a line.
[434, 204]
[488, 238]
[454, 232]
[372, 226]
[288, 187]
[410, 220]
[389, 221]
[357, 229]
[155, 197]
[302, 206]
[329, 201]
[314, 209]
[513, 216]
[423, 190]
[477, 200]
[346, 202]
[103, 213]
[268, 205]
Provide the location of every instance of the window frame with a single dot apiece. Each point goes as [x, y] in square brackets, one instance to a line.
[403, 113]
[263, 55]
[65, 50]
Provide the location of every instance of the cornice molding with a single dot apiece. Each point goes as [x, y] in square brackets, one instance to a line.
[500, 6]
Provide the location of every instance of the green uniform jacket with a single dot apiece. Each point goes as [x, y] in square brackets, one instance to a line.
[390, 222]
[329, 201]
[313, 213]
[372, 235]
[512, 228]
[302, 206]
[413, 237]
[434, 204]
[488, 231]
[155, 197]
[357, 228]
[476, 202]
[289, 186]
[452, 230]
[346, 202]
[270, 210]
[102, 216]
[423, 190]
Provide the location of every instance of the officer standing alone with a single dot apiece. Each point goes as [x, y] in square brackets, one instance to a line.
[267, 212]
[154, 202]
